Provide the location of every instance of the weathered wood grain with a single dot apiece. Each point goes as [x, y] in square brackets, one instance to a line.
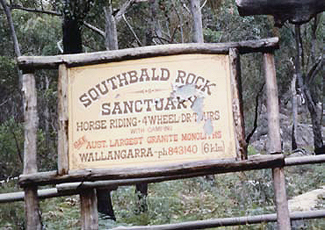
[74, 187]
[52, 62]
[88, 207]
[237, 103]
[32, 212]
[183, 170]
[63, 115]
[273, 116]
[296, 11]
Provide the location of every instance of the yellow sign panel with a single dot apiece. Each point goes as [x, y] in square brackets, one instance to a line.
[150, 112]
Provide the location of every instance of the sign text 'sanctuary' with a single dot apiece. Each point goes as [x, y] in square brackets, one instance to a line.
[149, 112]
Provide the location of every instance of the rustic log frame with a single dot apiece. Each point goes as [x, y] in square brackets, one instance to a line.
[31, 179]
[274, 147]
[63, 116]
[32, 212]
[184, 170]
[88, 207]
[72, 188]
[237, 103]
[52, 62]
[232, 221]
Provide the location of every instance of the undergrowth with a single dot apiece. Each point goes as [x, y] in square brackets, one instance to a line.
[200, 198]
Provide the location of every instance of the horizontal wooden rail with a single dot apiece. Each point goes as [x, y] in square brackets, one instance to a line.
[183, 170]
[41, 193]
[52, 62]
[74, 187]
[53, 192]
[291, 161]
[202, 224]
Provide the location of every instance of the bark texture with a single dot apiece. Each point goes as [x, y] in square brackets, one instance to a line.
[303, 83]
[111, 41]
[295, 11]
[197, 21]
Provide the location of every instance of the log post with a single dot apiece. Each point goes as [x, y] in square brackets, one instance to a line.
[32, 212]
[89, 213]
[283, 218]
[273, 114]
[63, 160]
[237, 103]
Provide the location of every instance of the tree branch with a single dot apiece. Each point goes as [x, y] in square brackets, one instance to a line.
[34, 10]
[59, 46]
[95, 29]
[180, 21]
[185, 7]
[130, 27]
[249, 136]
[17, 146]
[122, 10]
[205, 2]
[11, 26]
[314, 70]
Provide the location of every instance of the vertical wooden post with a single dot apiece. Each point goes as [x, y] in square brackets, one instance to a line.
[237, 103]
[32, 212]
[283, 218]
[273, 115]
[89, 213]
[63, 145]
[88, 198]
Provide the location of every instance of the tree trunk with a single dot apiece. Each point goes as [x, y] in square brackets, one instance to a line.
[11, 26]
[294, 113]
[47, 115]
[142, 192]
[111, 41]
[311, 104]
[72, 41]
[27, 81]
[141, 189]
[197, 21]
[104, 204]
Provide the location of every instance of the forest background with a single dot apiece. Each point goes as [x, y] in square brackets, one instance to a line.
[44, 28]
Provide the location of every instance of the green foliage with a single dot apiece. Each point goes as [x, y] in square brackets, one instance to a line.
[10, 100]
[238, 194]
[61, 213]
[11, 214]
[38, 34]
[296, 179]
[229, 195]
[11, 148]
[212, 36]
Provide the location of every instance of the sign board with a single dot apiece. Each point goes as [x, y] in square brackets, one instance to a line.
[150, 112]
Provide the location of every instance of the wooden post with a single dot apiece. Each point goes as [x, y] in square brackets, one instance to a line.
[237, 103]
[273, 115]
[63, 146]
[89, 213]
[283, 218]
[32, 212]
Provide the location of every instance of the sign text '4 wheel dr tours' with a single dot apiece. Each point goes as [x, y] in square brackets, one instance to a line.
[150, 112]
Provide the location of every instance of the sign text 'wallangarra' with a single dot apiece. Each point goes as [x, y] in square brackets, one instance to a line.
[149, 112]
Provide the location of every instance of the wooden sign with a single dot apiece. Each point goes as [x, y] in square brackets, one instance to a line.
[150, 112]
